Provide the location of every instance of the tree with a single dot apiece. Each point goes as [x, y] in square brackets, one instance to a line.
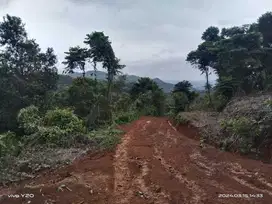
[180, 101]
[101, 51]
[96, 43]
[231, 32]
[149, 98]
[27, 73]
[120, 85]
[186, 88]
[211, 34]
[183, 86]
[81, 95]
[203, 58]
[265, 27]
[143, 85]
[75, 58]
[240, 56]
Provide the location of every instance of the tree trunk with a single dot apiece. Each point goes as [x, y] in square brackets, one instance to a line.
[95, 78]
[109, 89]
[208, 87]
[83, 73]
[110, 80]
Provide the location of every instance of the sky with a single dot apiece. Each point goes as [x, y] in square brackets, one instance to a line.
[152, 37]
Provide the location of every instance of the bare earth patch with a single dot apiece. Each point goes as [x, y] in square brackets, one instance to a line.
[155, 163]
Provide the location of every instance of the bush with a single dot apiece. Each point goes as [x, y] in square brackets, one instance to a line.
[126, 117]
[181, 102]
[180, 119]
[219, 102]
[29, 119]
[47, 135]
[242, 133]
[59, 127]
[201, 103]
[106, 138]
[65, 120]
[122, 103]
[143, 104]
[82, 95]
[9, 144]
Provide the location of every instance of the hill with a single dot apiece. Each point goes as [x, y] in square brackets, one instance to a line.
[167, 86]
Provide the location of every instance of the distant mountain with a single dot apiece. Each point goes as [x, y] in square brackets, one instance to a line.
[99, 74]
[167, 86]
[64, 80]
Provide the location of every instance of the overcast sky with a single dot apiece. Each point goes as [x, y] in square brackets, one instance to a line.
[152, 37]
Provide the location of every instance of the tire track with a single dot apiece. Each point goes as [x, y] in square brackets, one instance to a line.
[159, 198]
[122, 176]
[165, 166]
[197, 192]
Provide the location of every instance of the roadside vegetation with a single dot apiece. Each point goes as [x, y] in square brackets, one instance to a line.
[237, 110]
[44, 111]
[48, 119]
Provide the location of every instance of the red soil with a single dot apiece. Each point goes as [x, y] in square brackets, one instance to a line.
[155, 163]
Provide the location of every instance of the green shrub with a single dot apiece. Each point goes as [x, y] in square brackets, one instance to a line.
[83, 94]
[47, 135]
[180, 119]
[59, 127]
[106, 138]
[126, 117]
[268, 103]
[54, 136]
[181, 102]
[9, 144]
[29, 119]
[242, 133]
[219, 102]
[65, 120]
[122, 103]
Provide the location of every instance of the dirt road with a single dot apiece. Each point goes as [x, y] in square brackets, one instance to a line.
[156, 164]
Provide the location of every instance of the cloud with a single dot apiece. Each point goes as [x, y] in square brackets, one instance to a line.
[164, 68]
[151, 37]
[5, 3]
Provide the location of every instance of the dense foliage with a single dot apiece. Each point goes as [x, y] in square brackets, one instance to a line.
[241, 57]
[38, 107]
[41, 107]
[26, 73]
